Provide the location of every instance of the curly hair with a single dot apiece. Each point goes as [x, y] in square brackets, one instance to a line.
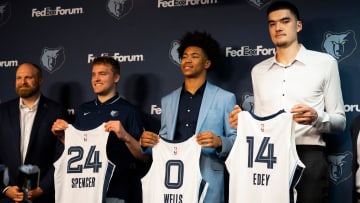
[203, 40]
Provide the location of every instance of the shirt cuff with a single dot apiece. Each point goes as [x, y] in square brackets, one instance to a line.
[4, 190]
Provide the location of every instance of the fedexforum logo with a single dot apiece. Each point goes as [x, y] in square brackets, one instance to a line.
[247, 51]
[58, 11]
[340, 45]
[177, 3]
[52, 59]
[352, 108]
[5, 12]
[119, 8]
[119, 57]
[258, 3]
[8, 64]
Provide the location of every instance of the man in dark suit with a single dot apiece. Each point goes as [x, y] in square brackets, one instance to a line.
[26, 137]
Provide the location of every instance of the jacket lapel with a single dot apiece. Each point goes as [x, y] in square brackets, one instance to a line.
[15, 125]
[207, 100]
[173, 112]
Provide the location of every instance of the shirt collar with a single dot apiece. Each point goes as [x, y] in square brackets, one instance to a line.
[199, 91]
[108, 102]
[34, 107]
[300, 57]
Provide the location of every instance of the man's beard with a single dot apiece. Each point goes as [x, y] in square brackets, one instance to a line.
[26, 93]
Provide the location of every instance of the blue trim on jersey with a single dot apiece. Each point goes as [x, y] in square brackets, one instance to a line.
[175, 141]
[266, 117]
[109, 172]
[201, 188]
[295, 180]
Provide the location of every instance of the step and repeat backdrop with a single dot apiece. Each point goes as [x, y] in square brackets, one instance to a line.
[63, 37]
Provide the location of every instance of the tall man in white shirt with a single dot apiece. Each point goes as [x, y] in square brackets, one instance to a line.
[305, 83]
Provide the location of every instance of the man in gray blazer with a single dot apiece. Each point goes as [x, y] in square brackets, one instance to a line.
[199, 108]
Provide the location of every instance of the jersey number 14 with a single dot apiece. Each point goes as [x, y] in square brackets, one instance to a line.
[261, 157]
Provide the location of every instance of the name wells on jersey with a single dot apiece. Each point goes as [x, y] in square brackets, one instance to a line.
[173, 198]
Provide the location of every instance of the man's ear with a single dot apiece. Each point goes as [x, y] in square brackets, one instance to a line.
[207, 64]
[117, 79]
[299, 26]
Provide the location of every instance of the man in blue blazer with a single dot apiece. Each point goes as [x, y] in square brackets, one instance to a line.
[199, 108]
[26, 137]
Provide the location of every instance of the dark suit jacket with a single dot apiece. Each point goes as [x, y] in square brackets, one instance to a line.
[43, 150]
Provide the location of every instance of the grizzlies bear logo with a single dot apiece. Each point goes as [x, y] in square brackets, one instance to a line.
[340, 167]
[340, 45]
[258, 3]
[5, 12]
[247, 103]
[119, 8]
[52, 59]
[173, 52]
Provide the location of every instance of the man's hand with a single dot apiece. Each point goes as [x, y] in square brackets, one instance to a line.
[14, 193]
[304, 114]
[35, 193]
[58, 129]
[208, 139]
[149, 139]
[233, 116]
[118, 129]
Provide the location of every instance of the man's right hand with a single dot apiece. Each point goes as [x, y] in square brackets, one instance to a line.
[14, 193]
[58, 128]
[149, 139]
[233, 116]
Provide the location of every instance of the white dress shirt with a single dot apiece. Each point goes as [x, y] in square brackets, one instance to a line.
[27, 117]
[311, 79]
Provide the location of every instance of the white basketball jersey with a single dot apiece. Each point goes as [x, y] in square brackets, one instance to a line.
[83, 172]
[263, 163]
[174, 175]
